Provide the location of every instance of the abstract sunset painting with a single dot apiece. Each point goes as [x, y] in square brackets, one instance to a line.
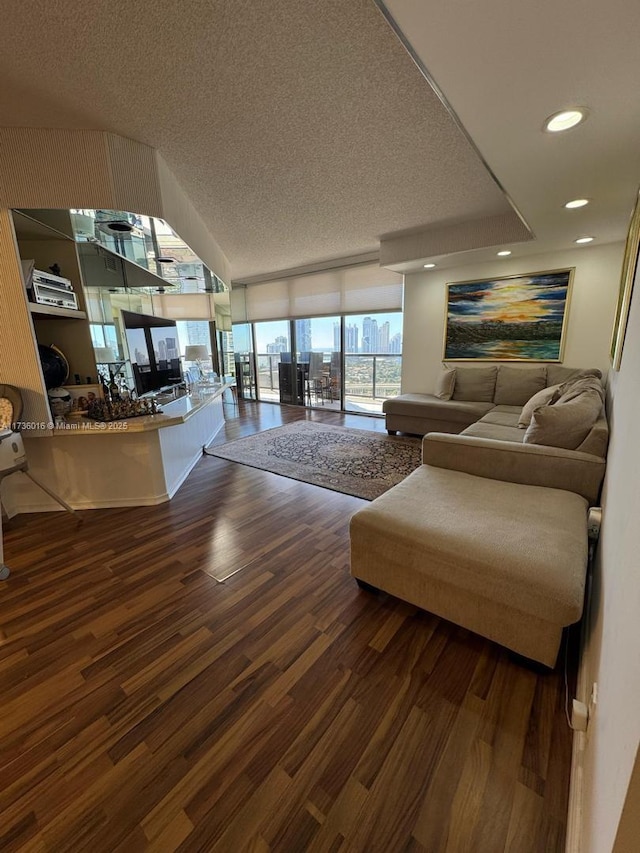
[520, 318]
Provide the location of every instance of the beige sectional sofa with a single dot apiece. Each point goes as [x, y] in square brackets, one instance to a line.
[491, 531]
[489, 415]
[463, 395]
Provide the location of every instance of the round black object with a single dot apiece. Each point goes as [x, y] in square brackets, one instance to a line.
[55, 367]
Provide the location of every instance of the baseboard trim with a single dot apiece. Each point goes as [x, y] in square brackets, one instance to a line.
[575, 810]
[573, 843]
[81, 505]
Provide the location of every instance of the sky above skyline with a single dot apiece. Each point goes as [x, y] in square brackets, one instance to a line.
[321, 329]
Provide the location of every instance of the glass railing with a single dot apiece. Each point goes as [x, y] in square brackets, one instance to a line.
[369, 379]
[268, 375]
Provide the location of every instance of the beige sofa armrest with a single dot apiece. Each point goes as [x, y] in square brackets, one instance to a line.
[529, 464]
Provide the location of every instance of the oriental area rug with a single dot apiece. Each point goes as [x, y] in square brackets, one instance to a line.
[354, 461]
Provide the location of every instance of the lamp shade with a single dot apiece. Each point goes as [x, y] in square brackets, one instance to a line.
[104, 355]
[197, 352]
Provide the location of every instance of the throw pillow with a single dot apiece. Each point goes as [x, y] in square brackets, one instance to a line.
[516, 385]
[542, 398]
[475, 384]
[564, 424]
[445, 383]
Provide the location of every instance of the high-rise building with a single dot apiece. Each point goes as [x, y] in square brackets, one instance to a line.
[383, 337]
[281, 344]
[171, 345]
[351, 338]
[369, 335]
[395, 344]
[197, 333]
[303, 335]
[336, 337]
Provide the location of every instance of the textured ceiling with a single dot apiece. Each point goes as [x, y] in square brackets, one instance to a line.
[305, 132]
[505, 66]
[301, 131]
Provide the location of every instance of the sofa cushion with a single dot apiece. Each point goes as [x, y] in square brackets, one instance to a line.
[476, 384]
[558, 373]
[598, 438]
[514, 385]
[499, 432]
[521, 546]
[565, 424]
[445, 383]
[429, 406]
[502, 416]
[542, 398]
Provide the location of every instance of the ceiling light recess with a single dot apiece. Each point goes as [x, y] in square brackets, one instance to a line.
[576, 203]
[504, 253]
[565, 119]
[429, 266]
[584, 240]
[163, 259]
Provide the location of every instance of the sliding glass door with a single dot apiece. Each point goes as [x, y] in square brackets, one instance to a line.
[318, 358]
[273, 351]
[244, 360]
[372, 360]
[345, 362]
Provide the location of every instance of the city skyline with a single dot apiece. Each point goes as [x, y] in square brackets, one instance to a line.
[379, 333]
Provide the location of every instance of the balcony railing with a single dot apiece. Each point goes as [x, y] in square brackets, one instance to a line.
[369, 378]
[372, 375]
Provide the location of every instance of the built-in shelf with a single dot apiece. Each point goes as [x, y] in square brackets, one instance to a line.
[28, 228]
[53, 311]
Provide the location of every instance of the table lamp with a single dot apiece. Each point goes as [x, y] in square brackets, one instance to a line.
[197, 353]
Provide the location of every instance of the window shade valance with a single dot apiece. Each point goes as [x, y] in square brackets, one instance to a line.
[349, 290]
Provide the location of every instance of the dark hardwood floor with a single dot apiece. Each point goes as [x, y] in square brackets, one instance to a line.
[146, 706]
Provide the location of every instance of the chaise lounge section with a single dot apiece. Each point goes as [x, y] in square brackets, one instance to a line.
[504, 560]
[491, 531]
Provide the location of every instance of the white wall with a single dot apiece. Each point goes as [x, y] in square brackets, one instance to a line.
[595, 291]
[613, 648]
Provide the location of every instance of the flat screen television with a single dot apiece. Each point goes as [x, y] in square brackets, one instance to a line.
[153, 351]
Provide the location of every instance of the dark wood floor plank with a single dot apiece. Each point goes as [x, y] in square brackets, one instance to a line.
[204, 675]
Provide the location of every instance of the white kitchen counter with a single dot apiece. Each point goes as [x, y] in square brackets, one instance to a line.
[135, 462]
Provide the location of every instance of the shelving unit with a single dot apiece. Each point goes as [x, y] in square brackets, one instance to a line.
[52, 311]
[48, 243]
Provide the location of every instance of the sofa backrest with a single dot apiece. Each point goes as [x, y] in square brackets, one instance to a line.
[506, 385]
[516, 385]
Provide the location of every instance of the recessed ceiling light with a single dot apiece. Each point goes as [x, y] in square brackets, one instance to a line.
[577, 202]
[583, 240]
[429, 266]
[565, 120]
[504, 253]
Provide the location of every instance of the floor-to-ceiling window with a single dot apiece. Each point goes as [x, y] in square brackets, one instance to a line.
[348, 362]
[273, 349]
[329, 337]
[244, 360]
[319, 363]
[372, 360]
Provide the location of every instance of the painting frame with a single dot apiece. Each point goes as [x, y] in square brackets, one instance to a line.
[550, 294]
[627, 278]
